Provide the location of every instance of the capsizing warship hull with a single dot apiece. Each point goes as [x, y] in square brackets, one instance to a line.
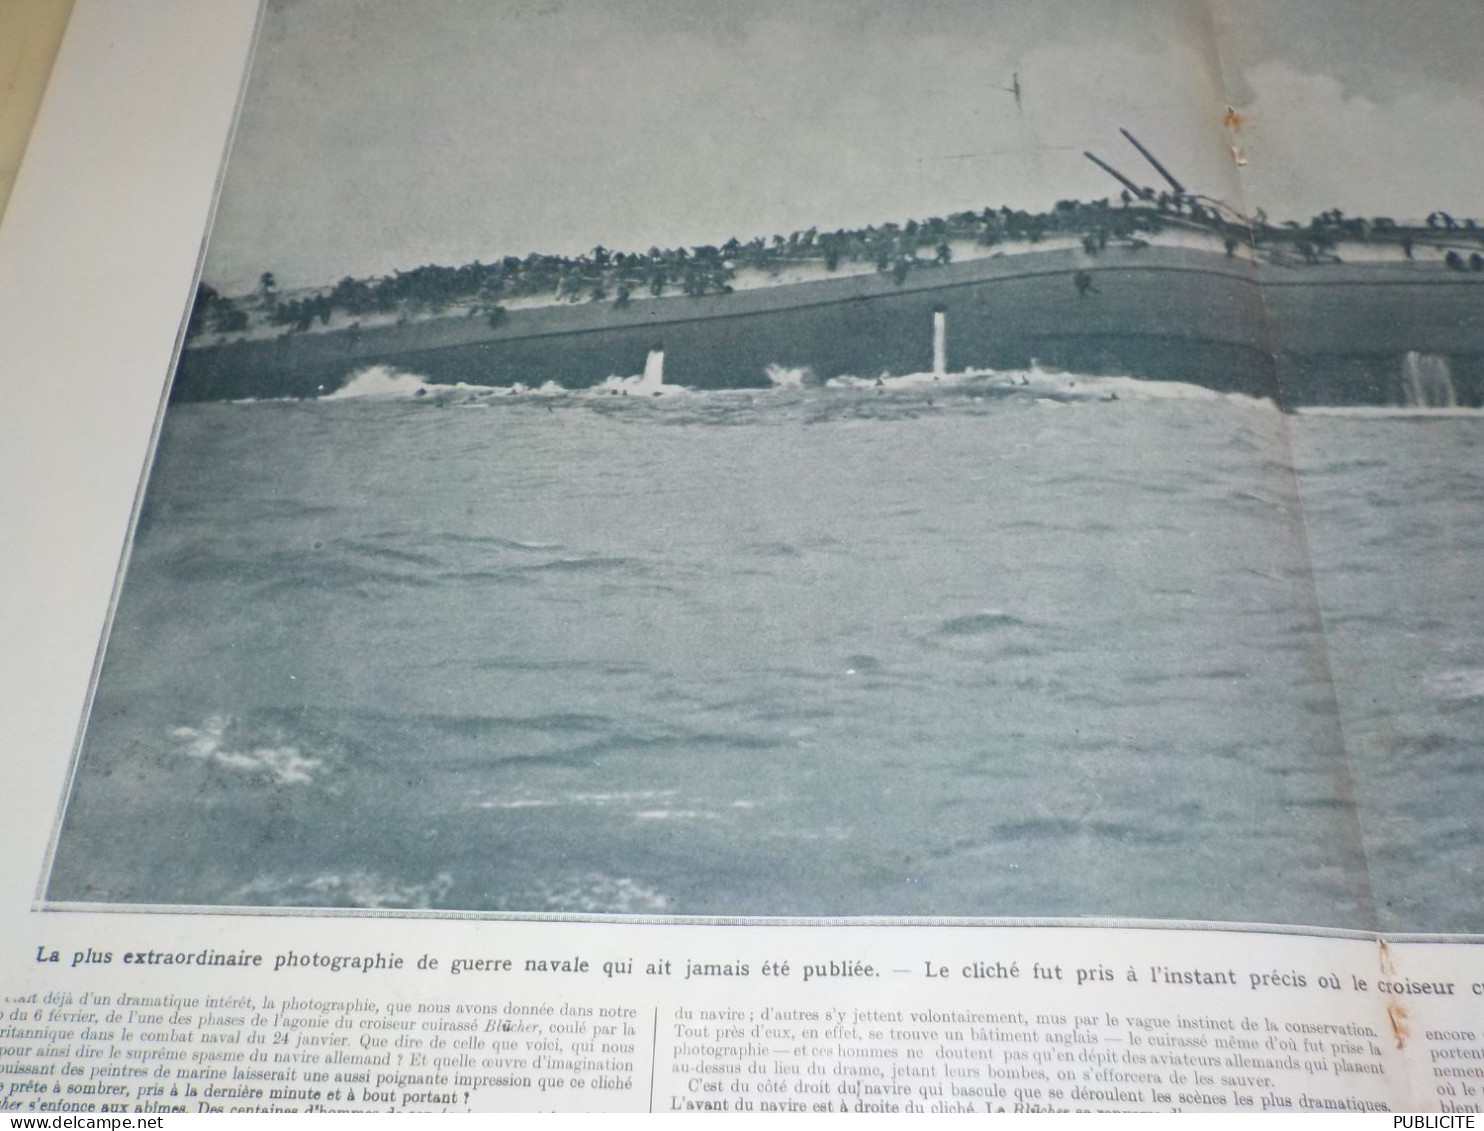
[1328, 333]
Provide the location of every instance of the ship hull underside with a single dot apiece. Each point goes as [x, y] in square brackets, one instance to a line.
[1331, 336]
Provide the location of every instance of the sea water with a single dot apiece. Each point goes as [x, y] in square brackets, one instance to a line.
[1394, 505]
[998, 646]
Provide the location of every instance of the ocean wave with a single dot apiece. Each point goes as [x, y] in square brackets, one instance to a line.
[977, 624]
[524, 799]
[341, 567]
[353, 889]
[1464, 685]
[1051, 388]
[578, 565]
[282, 765]
[591, 893]
[784, 377]
[385, 382]
[622, 797]
[494, 541]
[382, 382]
[650, 383]
[517, 803]
[1391, 412]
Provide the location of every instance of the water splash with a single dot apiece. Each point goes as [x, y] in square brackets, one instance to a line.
[381, 382]
[940, 343]
[784, 377]
[654, 368]
[1427, 381]
[650, 383]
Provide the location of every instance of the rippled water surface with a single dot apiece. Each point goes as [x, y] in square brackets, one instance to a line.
[1395, 512]
[853, 651]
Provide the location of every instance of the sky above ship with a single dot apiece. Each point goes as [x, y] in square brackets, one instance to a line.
[1370, 106]
[379, 135]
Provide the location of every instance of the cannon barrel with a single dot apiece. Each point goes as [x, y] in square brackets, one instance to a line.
[1153, 160]
[1105, 167]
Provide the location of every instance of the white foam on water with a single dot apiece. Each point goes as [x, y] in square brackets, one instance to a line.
[645, 384]
[1135, 388]
[899, 381]
[1391, 412]
[1462, 685]
[515, 803]
[622, 798]
[354, 889]
[650, 383]
[1049, 386]
[784, 377]
[600, 894]
[283, 765]
[382, 382]
[518, 389]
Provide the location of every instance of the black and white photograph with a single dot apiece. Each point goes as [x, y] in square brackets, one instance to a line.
[854, 459]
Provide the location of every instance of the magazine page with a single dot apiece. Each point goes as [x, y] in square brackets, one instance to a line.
[896, 568]
[682, 549]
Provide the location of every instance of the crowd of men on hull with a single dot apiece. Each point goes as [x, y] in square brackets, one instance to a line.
[603, 275]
